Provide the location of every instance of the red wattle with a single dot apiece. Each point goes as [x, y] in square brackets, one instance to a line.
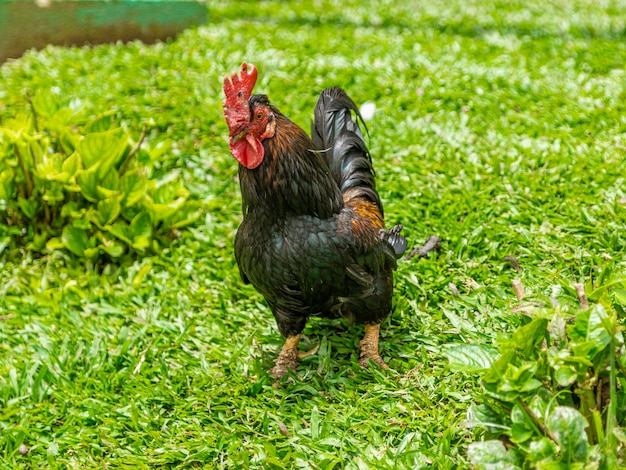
[249, 152]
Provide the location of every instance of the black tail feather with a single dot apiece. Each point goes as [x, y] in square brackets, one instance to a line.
[339, 137]
[332, 116]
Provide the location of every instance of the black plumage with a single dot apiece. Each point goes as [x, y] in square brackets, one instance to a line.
[312, 240]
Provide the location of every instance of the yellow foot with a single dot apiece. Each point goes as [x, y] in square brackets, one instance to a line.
[369, 347]
[287, 359]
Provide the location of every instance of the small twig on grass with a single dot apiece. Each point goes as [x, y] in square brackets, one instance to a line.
[470, 284]
[518, 287]
[134, 150]
[524, 307]
[432, 244]
[283, 429]
[582, 297]
[454, 289]
[513, 261]
[142, 359]
[7, 317]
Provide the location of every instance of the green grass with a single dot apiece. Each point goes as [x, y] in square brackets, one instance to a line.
[500, 126]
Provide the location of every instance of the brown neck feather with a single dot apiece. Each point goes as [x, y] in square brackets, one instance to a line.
[294, 178]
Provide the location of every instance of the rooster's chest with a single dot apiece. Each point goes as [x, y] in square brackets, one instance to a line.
[303, 254]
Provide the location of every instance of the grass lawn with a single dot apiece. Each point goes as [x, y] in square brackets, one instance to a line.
[500, 126]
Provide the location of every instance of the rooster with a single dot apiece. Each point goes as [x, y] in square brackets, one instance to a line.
[312, 240]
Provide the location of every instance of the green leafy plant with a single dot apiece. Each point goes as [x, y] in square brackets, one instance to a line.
[499, 126]
[553, 393]
[84, 186]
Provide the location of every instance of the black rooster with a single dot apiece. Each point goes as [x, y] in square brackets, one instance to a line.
[312, 240]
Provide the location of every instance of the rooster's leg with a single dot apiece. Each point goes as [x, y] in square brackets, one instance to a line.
[288, 357]
[369, 347]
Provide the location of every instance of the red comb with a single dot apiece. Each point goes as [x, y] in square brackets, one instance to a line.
[243, 82]
[238, 89]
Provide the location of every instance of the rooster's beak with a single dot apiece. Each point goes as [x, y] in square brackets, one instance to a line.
[240, 135]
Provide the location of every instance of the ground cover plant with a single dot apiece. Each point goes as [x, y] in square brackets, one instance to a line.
[84, 187]
[499, 126]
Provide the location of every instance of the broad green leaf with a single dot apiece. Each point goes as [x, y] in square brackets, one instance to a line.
[68, 141]
[521, 433]
[494, 389]
[111, 246]
[15, 127]
[50, 167]
[54, 195]
[568, 425]
[72, 210]
[516, 381]
[71, 165]
[583, 349]
[526, 338]
[91, 253]
[23, 153]
[109, 182]
[75, 240]
[500, 365]
[120, 230]
[62, 119]
[82, 223]
[470, 357]
[38, 242]
[107, 193]
[7, 185]
[166, 190]
[100, 124]
[519, 416]
[565, 375]
[591, 332]
[491, 455]
[88, 182]
[28, 208]
[160, 212]
[44, 103]
[55, 243]
[108, 211]
[114, 250]
[521, 378]
[483, 415]
[133, 187]
[103, 149]
[542, 449]
[140, 231]
[36, 152]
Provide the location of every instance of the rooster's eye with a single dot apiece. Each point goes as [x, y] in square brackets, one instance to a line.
[259, 116]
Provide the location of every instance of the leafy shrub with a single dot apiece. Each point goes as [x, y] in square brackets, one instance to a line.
[553, 392]
[67, 183]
